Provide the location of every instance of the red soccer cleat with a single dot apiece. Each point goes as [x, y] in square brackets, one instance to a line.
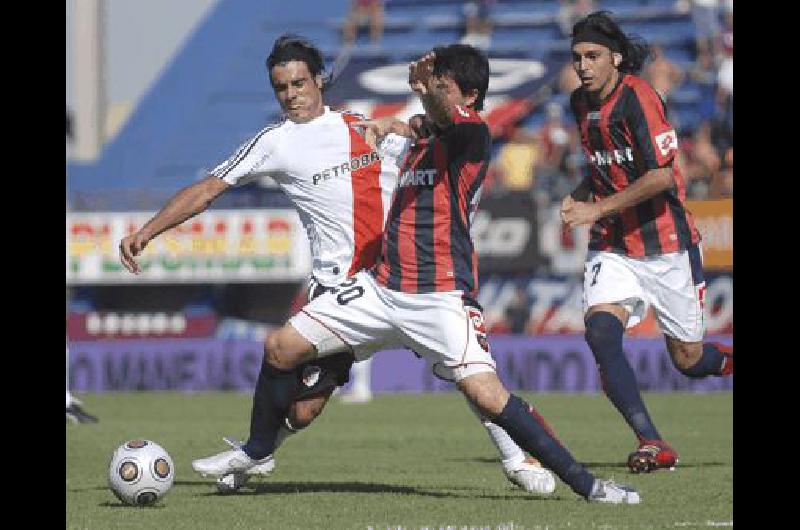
[727, 364]
[652, 455]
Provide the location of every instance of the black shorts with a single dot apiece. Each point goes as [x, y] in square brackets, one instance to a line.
[321, 376]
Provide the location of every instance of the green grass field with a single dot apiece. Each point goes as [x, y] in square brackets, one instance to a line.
[401, 462]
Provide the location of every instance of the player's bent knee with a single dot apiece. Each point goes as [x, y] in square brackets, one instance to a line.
[286, 348]
[603, 329]
[685, 356]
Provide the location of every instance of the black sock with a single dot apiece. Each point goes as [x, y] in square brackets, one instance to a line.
[529, 434]
[710, 363]
[604, 335]
[272, 399]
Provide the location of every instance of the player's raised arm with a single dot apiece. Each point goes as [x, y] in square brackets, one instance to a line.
[426, 86]
[184, 205]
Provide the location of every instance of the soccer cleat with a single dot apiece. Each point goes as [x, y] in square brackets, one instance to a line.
[227, 462]
[727, 364]
[530, 476]
[76, 414]
[613, 493]
[652, 455]
[233, 481]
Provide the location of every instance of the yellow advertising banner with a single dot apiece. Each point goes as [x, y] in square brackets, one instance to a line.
[714, 221]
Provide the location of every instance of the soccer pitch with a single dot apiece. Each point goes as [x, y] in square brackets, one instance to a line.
[401, 462]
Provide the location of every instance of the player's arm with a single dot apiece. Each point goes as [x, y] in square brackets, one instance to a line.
[575, 213]
[184, 205]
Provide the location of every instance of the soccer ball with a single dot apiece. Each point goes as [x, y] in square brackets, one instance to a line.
[140, 472]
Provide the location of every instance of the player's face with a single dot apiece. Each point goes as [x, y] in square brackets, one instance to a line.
[298, 92]
[594, 64]
[445, 88]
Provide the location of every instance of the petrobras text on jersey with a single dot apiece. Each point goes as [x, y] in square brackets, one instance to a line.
[355, 163]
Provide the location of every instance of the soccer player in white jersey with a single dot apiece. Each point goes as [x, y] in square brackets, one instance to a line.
[418, 294]
[341, 188]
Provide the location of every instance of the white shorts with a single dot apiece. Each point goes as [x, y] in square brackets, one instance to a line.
[672, 283]
[365, 317]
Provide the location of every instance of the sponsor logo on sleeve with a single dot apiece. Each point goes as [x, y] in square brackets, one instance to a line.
[667, 141]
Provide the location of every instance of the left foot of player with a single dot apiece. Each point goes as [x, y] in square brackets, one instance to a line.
[530, 476]
[652, 455]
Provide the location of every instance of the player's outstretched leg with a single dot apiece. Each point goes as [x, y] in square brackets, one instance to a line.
[521, 470]
[514, 415]
[275, 389]
[604, 333]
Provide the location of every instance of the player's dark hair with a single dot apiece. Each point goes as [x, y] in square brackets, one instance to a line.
[292, 47]
[600, 28]
[468, 67]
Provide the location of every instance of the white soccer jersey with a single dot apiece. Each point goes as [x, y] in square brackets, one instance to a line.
[342, 189]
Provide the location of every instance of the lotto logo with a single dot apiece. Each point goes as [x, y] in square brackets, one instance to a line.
[667, 141]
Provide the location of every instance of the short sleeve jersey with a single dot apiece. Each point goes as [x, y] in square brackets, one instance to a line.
[623, 138]
[340, 187]
[427, 245]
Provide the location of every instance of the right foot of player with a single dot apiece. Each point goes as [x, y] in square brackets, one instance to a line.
[652, 455]
[611, 492]
[530, 476]
[227, 462]
[233, 481]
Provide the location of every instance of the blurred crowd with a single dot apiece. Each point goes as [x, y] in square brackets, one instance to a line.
[546, 158]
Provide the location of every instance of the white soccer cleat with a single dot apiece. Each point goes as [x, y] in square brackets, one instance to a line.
[233, 481]
[356, 397]
[532, 478]
[231, 461]
[611, 492]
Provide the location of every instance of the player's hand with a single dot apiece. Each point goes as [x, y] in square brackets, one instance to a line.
[575, 213]
[419, 73]
[375, 130]
[130, 247]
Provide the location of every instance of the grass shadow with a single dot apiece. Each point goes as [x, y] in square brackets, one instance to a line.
[461, 492]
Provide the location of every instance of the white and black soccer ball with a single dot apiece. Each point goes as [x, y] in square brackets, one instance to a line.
[140, 472]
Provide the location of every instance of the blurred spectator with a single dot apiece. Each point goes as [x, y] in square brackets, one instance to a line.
[705, 15]
[518, 312]
[700, 162]
[568, 79]
[662, 73]
[515, 165]
[478, 23]
[360, 11]
[554, 141]
[572, 10]
[722, 182]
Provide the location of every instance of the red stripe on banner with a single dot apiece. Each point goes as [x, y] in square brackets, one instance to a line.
[632, 233]
[505, 115]
[445, 272]
[381, 110]
[367, 204]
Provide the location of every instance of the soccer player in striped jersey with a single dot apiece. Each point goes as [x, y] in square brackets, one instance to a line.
[341, 187]
[644, 248]
[418, 295]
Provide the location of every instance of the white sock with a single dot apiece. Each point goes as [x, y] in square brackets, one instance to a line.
[361, 378]
[511, 454]
[69, 399]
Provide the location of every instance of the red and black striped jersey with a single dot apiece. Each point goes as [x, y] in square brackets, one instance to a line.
[623, 138]
[427, 245]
